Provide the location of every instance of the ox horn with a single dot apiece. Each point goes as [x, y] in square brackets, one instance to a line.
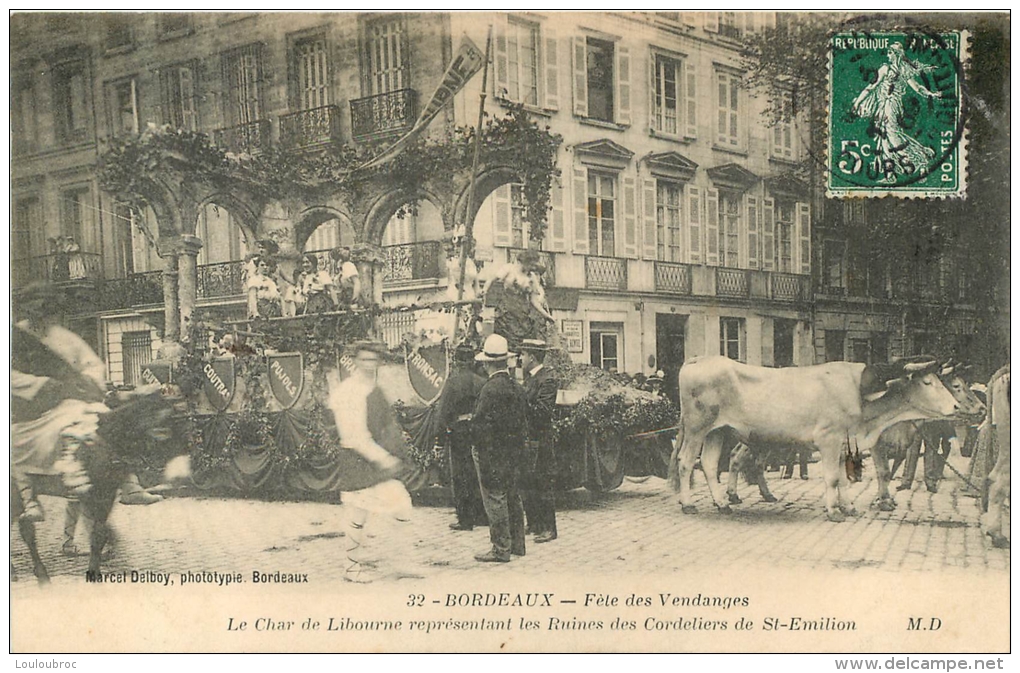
[948, 368]
[914, 367]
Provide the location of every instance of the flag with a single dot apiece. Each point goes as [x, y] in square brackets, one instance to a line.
[465, 65]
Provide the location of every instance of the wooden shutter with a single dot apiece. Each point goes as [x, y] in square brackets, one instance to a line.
[804, 236]
[501, 234]
[694, 223]
[690, 100]
[556, 238]
[189, 117]
[501, 77]
[712, 22]
[712, 227]
[580, 64]
[768, 234]
[580, 189]
[622, 85]
[552, 67]
[653, 68]
[649, 212]
[752, 232]
[630, 228]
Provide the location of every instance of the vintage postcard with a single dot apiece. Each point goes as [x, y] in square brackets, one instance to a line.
[527, 331]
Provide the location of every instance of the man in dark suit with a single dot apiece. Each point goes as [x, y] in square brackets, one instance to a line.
[499, 425]
[456, 405]
[538, 474]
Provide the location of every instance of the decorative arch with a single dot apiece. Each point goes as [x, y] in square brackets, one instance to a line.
[246, 215]
[489, 179]
[388, 203]
[309, 219]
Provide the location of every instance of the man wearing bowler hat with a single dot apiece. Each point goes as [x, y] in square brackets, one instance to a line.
[538, 473]
[499, 426]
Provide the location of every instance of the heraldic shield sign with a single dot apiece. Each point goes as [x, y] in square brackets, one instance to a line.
[427, 369]
[220, 382]
[286, 377]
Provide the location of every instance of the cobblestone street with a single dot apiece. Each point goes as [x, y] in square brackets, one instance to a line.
[636, 529]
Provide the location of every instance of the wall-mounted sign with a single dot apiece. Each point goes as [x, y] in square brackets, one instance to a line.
[573, 335]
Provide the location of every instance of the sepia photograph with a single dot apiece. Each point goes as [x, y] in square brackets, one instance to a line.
[513, 331]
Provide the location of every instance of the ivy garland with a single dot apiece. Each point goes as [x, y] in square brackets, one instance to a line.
[615, 416]
[130, 163]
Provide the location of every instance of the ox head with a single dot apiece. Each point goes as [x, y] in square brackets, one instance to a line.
[953, 375]
[914, 385]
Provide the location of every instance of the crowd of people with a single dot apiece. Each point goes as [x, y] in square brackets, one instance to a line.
[309, 290]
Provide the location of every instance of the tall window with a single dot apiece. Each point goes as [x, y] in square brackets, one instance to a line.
[879, 347]
[668, 85]
[784, 235]
[26, 226]
[782, 132]
[601, 214]
[137, 350]
[26, 130]
[123, 240]
[518, 224]
[607, 345]
[311, 66]
[600, 79]
[244, 72]
[782, 342]
[728, 109]
[70, 102]
[731, 336]
[522, 61]
[76, 217]
[122, 99]
[667, 218]
[172, 24]
[178, 93]
[728, 26]
[729, 229]
[833, 265]
[386, 55]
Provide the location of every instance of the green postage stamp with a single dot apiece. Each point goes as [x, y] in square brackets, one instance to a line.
[896, 114]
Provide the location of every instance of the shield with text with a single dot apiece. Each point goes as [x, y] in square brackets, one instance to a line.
[345, 365]
[158, 372]
[427, 370]
[286, 377]
[219, 382]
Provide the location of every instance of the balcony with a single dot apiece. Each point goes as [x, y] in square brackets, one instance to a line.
[732, 282]
[63, 268]
[224, 279]
[311, 128]
[672, 278]
[790, 287]
[605, 273]
[412, 261]
[251, 138]
[383, 114]
[138, 289]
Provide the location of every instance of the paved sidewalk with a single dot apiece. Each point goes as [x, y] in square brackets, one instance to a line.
[636, 529]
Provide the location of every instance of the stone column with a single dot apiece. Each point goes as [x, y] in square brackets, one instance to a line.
[171, 314]
[187, 281]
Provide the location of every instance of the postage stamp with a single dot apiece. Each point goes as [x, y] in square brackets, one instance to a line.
[896, 120]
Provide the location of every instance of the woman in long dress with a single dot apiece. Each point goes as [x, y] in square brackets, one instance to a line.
[897, 152]
[316, 287]
[263, 293]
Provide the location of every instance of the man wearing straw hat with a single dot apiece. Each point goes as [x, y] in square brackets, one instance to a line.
[538, 475]
[499, 426]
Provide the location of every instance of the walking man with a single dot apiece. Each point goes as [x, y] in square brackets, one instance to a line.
[539, 472]
[499, 425]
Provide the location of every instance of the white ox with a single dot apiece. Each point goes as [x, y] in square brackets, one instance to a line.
[994, 438]
[833, 407]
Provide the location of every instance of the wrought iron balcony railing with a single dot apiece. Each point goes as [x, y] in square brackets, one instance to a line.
[250, 138]
[412, 261]
[138, 289]
[57, 268]
[311, 128]
[383, 114]
[672, 278]
[732, 282]
[223, 279]
[605, 273]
